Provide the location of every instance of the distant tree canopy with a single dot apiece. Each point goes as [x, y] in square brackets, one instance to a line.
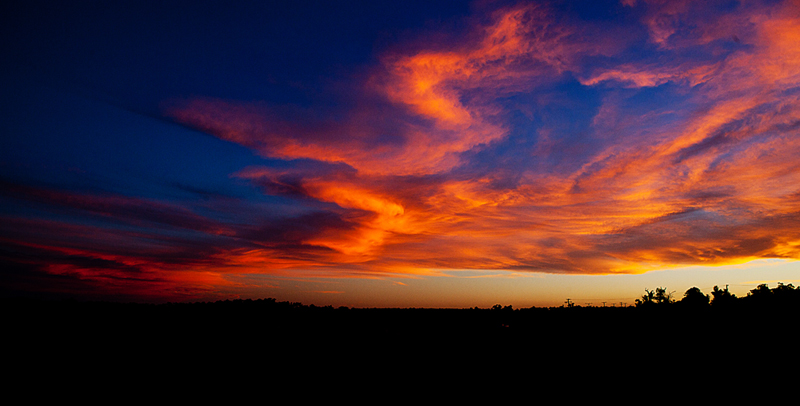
[762, 295]
[722, 297]
[658, 296]
[694, 297]
[781, 295]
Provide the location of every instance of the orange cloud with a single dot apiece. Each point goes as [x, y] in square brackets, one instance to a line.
[519, 46]
[711, 179]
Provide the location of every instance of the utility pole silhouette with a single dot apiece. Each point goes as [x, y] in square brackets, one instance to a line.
[604, 304]
[569, 304]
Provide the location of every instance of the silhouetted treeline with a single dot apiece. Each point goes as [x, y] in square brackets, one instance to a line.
[265, 330]
[658, 318]
[781, 298]
[290, 318]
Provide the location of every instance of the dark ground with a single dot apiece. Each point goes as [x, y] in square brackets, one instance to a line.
[264, 345]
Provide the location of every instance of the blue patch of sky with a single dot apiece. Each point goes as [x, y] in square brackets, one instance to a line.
[561, 113]
[59, 140]
[139, 54]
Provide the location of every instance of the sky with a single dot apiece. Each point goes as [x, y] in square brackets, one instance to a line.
[398, 154]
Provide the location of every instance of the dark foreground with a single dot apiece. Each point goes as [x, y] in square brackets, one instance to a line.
[271, 326]
[264, 343]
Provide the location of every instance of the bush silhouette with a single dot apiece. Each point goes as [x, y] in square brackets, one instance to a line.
[722, 297]
[694, 297]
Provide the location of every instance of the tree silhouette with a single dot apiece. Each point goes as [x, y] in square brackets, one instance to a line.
[785, 292]
[761, 290]
[662, 297]
[782, 295]
[647, 299]
[761, 295]
[694, 297]
[657, 296]
[722, 297]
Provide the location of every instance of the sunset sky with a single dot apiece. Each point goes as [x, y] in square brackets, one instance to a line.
[398, 154]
